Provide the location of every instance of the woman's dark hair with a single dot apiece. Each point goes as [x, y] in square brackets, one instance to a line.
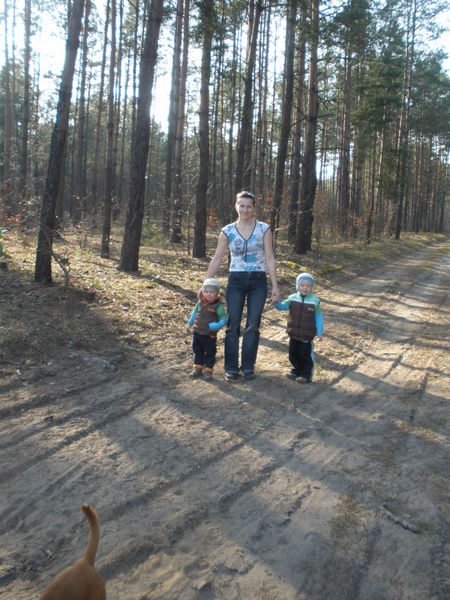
[245, 194]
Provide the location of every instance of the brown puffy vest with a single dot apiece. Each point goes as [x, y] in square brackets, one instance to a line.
[206, 314]
[301, 323]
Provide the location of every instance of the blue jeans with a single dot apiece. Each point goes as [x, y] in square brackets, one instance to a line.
[253, 287]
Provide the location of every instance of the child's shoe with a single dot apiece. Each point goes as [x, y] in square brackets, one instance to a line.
[207, 374]
[196, 372]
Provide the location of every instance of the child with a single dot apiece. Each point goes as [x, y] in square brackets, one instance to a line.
[304, 324]
[206, 319]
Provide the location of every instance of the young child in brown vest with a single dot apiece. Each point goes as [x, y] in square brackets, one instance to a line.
[305, 322]
[205, 321]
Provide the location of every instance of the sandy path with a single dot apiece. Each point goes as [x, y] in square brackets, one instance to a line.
[259, 490]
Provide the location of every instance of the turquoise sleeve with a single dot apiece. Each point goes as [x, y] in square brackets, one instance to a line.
[319, 323]
[192, 317]
[217, 325]
[281, 305]
[220, 312]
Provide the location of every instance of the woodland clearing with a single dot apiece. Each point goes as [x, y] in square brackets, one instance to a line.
[264, 489]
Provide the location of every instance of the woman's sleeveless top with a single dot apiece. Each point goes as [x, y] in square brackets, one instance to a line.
[246, 254]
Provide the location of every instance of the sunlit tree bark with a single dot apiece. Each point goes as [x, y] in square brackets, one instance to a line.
[309, 179]
[43, 267]
[129, 259]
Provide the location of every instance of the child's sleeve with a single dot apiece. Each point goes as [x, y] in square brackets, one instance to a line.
[222, 319]
[192, 317]
[282, 304]
[319, 320]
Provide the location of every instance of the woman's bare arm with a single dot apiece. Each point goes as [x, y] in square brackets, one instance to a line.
[221, 250]
[271, 265]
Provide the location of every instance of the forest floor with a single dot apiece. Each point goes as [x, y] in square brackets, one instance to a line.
[264, 489]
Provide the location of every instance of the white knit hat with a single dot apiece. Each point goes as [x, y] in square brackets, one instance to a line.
[306, 276]
[211, 282]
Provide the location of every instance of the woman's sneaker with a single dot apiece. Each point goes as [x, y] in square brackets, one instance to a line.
[231, 376]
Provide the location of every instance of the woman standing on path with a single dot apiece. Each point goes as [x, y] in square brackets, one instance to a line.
[250, 245]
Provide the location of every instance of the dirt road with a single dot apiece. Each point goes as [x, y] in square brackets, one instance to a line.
[258, 490]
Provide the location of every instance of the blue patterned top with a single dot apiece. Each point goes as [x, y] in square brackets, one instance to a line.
[246, 254]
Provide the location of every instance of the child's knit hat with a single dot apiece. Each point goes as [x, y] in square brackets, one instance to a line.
[302, 276]
[211, 282]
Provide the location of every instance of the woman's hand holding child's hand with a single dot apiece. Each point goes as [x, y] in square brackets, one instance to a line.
[275, 295]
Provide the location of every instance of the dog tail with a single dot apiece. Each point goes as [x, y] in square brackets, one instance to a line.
[94, 533]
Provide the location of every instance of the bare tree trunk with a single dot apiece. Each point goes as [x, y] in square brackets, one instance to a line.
[8, 128]
[174, 105]
[344, 158]
[402, 157]
[263, 100]
[24, 162]
[116, 207]
[109, 168]
[124, 135]
[309, 179]
[226, 216]
[95, 158]
[77, 194]
[244, 154]
[43, 267]
[372, 191]
[129, 259]
[178, 156]
[207, 25]
[286, 113]
[299, 117]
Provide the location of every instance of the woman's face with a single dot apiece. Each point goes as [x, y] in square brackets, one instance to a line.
[245, 208]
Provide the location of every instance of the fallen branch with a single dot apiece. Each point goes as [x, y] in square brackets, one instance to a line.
[400, 522]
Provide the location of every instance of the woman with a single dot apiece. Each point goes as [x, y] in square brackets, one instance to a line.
[250, 245]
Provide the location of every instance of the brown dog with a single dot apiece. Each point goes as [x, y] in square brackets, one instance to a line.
[80, 581]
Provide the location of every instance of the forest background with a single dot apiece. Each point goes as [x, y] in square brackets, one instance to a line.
[335, 114]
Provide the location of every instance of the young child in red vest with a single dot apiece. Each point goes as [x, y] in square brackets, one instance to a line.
[305, 322]
[205, 321]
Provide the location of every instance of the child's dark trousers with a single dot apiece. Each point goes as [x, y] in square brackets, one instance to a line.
[301, 357]
[204, 348]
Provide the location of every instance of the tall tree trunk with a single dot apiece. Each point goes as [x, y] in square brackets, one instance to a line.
[227, 214]
[8, 128]
[286, 113]
[24, 162]
[117, 207]
[244, 153]
[299, 117]
[309, 179]
[207, 26]
[78, 199]
[129, 259]
[402, 158]
[263, 93]
[178, 155]
[344, 158]
[98, 125]
[43, 267]
[174, 104]
[124, 135]
[372, 191]
[109, 167]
